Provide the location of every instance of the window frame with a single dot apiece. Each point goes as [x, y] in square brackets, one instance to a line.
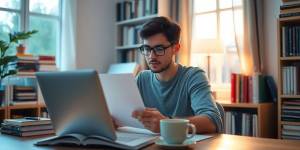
[223, 85]
[218, 12]
[25, 14]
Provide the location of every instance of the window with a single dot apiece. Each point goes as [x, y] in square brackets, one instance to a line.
[25, 15]
[216, 24]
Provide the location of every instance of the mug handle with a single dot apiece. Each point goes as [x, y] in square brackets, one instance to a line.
[193, 130]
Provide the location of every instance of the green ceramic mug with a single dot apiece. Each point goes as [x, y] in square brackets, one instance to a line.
[175, 131]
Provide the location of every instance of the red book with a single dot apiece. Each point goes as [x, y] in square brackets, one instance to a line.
[233, 87]
[250, 89]
[245, 89]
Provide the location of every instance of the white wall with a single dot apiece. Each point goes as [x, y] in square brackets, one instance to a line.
[271, 12]
[95, 34]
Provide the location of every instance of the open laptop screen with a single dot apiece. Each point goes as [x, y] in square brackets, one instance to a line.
[76, 103]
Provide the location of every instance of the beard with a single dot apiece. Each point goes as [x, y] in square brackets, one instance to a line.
[164, 68]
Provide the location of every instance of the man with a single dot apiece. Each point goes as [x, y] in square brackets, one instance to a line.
[168, 89]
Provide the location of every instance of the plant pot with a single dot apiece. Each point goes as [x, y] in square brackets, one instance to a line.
[21, 49]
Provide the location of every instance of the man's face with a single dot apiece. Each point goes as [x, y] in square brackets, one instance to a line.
[155, 62]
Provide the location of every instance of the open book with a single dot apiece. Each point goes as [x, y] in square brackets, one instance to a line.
[127, 138]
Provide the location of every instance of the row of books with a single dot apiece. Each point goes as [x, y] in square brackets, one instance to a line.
[130, 9]
[291, 132]
[239, 123]
[291, 40]
[130, 35]
[19, 95]
[290, 110]
[28, 126]
[252, 89]
[290, 9]
[27, 65]
[291, 81]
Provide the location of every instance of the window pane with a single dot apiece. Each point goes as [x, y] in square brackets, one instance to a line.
[230, 3]
[9, 22]
[205, 26]
[228, 29]
[45, 42]
[204, 5]
[12, 4]
[49, 7]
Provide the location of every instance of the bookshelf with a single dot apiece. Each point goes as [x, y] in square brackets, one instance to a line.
[22, 97]
[131, 15]
[264, 123]
[288, 109]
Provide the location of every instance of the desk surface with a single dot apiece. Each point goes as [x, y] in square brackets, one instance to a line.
[222, 141]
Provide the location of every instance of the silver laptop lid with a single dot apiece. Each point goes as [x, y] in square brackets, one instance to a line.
[76, 103]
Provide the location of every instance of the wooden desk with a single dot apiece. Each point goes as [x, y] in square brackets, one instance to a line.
[219, 142]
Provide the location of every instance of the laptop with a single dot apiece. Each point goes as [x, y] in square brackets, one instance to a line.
[77, 107]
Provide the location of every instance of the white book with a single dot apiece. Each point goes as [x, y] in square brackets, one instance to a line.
[243, 124]
[284, 91]
[255, 125]
[123, 68]
[295, 80]
[283, 41]
[233, 123]
[291, 132]
[27, 121]
[228, 122]
[291, 127]
[255, 86]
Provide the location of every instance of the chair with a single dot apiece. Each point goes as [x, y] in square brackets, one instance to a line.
[222, 113]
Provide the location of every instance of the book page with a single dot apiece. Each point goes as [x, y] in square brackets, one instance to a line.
[122, 97]
[65, 139]
[136, 130]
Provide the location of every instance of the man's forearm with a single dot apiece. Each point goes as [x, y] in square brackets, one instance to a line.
[203, 124]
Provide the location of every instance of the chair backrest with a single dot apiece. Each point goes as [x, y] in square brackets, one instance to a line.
[222, 113]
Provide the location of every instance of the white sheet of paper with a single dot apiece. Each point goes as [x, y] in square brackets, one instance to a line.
[122, 97]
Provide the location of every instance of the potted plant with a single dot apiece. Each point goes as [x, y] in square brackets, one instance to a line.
[5, 60]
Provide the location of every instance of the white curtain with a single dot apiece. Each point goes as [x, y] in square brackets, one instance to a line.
[181, 12]
[67, 54]
[250, 46]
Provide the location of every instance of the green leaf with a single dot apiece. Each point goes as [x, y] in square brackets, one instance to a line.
[6, 59]
[10, 72]
[14, 38]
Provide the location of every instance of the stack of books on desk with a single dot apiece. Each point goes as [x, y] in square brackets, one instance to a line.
[28, 126]
[47, 63]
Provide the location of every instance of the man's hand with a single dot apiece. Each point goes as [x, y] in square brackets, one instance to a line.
[116, 126]
[150, 117]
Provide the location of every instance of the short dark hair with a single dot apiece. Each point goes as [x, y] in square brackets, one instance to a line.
[161, 25]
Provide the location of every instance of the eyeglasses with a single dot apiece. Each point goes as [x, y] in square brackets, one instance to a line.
[158, 50]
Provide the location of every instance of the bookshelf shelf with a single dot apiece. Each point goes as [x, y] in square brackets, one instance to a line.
[121, 48]
[136, 21]
[243, 105]
[294, 58]
[264, 111]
